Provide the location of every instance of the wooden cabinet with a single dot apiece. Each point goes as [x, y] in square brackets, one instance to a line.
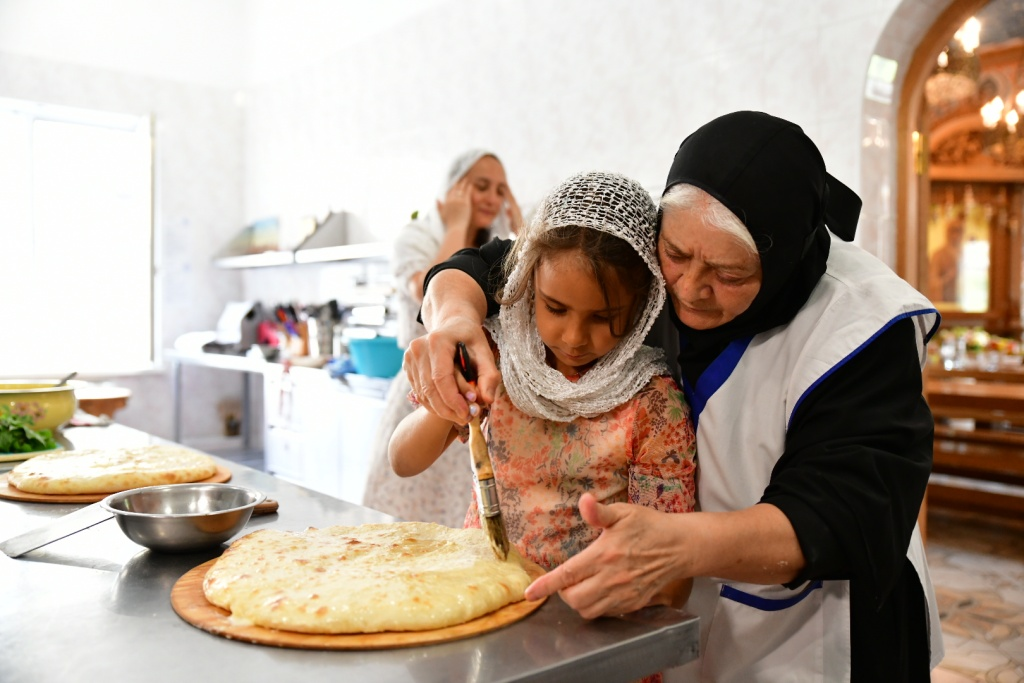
[317, 432]
[979, 439]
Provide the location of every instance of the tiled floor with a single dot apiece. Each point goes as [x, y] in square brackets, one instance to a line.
[977, 566]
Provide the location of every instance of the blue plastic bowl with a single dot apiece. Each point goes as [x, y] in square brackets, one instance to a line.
[377, 357]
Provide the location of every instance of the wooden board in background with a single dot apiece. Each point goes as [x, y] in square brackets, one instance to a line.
[9, 492]
[15, 457]
[190, 603]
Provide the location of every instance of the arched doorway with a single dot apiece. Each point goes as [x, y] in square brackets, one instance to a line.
[925, 160]
[928, 160]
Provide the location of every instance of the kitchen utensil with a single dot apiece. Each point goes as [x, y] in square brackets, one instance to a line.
[173, 518]
[487, 490]
[65, 380]
[50, 405]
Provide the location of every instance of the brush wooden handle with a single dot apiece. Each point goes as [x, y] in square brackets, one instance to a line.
[478, 451]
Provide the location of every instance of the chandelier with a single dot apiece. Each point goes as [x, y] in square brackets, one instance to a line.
[985, 86]
[955, 79]
[996, 112]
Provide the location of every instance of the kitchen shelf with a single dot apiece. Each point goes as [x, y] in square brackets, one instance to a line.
[266, 258]
[346, 252]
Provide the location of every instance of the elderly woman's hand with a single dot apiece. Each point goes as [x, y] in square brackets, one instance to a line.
[631, 563]
[641, 551]
[438, 386]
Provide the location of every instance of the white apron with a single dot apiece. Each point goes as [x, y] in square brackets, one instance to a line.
[750, 632]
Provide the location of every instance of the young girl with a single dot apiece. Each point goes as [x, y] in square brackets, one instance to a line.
[584, 405]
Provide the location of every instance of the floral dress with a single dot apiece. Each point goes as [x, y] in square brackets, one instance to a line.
[641, 452]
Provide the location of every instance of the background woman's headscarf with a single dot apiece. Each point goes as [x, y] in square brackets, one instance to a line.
[417, 244]
[768, 173]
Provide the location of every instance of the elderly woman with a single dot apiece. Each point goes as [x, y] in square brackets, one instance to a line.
[801, 355]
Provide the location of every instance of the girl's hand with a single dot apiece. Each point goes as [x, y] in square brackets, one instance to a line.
[457, 209]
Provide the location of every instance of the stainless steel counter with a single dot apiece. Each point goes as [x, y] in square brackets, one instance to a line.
[96, 607]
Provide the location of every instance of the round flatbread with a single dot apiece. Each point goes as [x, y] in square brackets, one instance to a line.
[110, 470]
[407, 576]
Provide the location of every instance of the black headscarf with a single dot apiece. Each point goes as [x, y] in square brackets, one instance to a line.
[771, 176]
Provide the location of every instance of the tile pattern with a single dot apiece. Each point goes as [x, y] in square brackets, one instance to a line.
[977, 566]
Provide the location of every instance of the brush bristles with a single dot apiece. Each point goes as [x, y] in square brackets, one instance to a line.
[494, 527]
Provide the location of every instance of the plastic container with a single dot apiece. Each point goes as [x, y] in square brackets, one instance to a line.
[376, 357]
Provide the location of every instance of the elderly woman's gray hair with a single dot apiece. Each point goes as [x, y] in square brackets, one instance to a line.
[711, 211]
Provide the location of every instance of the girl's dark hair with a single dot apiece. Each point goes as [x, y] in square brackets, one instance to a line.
[605, 253]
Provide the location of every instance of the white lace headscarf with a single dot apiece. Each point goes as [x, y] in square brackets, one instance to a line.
[616, 205]
[417, 244]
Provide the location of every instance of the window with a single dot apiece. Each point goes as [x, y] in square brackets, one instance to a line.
[76, 241]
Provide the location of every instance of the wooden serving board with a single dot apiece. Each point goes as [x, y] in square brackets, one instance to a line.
[9, 492]
[189, 601]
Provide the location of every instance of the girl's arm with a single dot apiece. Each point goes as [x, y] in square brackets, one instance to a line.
[418, 441]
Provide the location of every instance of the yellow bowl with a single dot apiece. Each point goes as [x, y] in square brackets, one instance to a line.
[49, 405]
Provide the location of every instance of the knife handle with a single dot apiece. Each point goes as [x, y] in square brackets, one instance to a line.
[267, 507]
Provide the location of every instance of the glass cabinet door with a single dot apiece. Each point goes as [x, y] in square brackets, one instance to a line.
[974, 252]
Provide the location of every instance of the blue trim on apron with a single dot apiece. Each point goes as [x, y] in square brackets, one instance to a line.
[902, 316]
[713, 377]
[935, 327]
[766, 604]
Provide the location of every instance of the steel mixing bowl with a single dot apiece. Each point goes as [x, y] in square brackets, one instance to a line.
[182, 518]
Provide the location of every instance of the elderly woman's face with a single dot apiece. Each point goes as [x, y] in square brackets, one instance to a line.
[711, 277]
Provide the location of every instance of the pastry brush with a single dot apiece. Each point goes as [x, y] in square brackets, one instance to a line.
[487, 490]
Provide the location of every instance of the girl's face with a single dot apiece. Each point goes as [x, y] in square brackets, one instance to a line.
[711, 277]
[573, 319]
[488, 188]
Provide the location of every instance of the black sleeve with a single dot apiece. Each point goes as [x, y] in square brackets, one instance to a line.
[856, 465]
[483, 265]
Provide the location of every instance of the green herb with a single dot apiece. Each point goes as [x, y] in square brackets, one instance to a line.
[18, 436]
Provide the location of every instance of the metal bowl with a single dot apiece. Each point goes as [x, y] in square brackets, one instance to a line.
[182, 518]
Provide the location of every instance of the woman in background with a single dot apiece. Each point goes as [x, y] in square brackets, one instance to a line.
[475, 204]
